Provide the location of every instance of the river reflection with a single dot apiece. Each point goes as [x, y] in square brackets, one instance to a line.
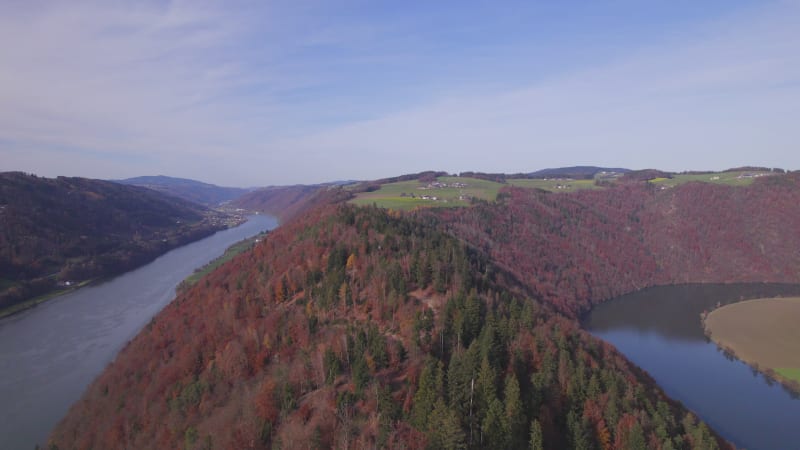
[659, 329]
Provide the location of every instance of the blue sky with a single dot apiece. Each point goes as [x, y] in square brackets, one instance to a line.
[262, 93]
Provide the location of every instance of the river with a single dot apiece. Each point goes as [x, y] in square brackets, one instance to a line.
[50, 354]
[659, 329]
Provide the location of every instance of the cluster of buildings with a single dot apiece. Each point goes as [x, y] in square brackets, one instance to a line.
[423, 197]
[440, 185]
[437, 185]
[752, 175]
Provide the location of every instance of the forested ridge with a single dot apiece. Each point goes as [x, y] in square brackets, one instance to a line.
[190, 190]
[574, 250]
[59, 230]
[364, 328]
[287, 202]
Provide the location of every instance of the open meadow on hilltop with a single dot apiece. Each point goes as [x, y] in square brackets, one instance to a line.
[438, 192]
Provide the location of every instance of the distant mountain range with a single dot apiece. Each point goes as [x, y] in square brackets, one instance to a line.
[191, 190]
[58, 231]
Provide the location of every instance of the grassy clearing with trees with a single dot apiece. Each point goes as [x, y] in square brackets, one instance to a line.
[449, 192]
[734, 178]
[553, 185]
[443, 192]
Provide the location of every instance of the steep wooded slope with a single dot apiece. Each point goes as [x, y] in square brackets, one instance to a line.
[354, 328]
[581, 248]
[73, 229]
[280, 201]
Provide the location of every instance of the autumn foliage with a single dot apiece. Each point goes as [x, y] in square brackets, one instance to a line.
[358, 327]
[579, 249]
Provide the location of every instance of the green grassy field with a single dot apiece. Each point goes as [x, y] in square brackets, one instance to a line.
[792, 374]
[399, 195]
[738, 178]
[553, 185]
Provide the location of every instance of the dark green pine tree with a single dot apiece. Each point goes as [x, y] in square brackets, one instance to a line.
[537, 440]
[459, 382]
[495, 427]
[491, 345]
[636, 439]
[445, 430]
[472, 318]
[425, 397]
[423, 273]
[515, 416]
[485, 388]
[578, 431]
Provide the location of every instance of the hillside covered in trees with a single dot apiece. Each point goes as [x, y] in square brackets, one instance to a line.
[359, 327]
[66, 230]
[190, 190]
[279, 201]
[574, 250]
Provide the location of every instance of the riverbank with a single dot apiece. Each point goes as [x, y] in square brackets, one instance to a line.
[658, 329]
[762, 333]
[50, 288]
[49, 354]
[36, 301]
[230, 253]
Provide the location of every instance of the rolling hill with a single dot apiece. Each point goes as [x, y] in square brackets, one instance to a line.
[191, 190]
[576, 172]
[287, 202]
[351, 327]
[355, 326]
[577, 249]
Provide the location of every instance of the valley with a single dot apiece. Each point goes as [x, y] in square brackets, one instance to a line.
[61, 233]
[368, 296]
[399, 225]
[358, 326]
[50, 354]
[190, 190]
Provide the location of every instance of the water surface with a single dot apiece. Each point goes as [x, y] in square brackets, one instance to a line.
[49, 354]
[659, 329]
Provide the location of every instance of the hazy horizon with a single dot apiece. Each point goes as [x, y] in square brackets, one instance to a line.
[252, 94]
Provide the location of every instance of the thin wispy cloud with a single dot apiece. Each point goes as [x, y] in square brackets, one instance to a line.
[140, 80]
[255, 94]
[726, 96]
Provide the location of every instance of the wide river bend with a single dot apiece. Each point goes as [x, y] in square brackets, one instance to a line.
[659, 329]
